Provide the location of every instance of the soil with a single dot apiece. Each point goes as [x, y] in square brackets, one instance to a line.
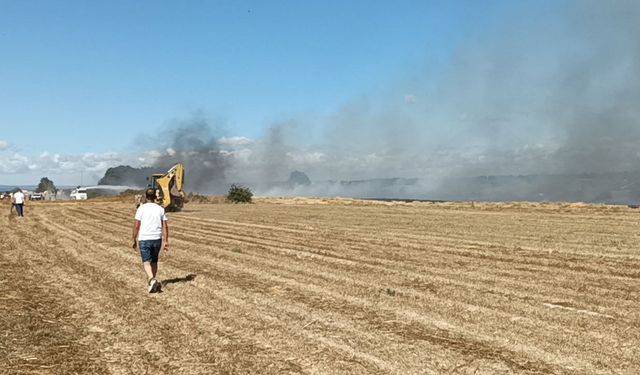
[320, 286]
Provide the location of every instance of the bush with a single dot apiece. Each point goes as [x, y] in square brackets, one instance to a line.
[239, 194]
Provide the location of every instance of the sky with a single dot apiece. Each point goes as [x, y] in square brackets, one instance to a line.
[339, 89]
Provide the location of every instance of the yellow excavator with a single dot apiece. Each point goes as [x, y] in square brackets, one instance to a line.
[169, 188]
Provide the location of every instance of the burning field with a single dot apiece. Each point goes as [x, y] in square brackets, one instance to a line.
[323, 286]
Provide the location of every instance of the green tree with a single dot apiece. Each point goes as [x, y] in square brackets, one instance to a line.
[46, 185]
[239, 194]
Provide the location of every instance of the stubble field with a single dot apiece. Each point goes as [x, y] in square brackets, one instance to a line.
[323, 287]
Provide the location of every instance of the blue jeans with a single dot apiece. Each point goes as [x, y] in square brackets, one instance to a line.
[19, 209]
[150, 250]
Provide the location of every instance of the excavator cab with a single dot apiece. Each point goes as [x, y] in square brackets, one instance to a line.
[153, 181]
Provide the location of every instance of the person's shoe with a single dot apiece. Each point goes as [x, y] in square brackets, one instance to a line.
[153, 285]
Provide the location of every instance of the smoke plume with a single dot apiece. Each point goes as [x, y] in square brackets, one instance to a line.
[549, 91]
[192, 142]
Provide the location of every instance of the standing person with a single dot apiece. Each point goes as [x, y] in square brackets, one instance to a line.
[151, 235]
[17, 200]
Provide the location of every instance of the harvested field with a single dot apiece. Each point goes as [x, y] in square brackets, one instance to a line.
[324, 286]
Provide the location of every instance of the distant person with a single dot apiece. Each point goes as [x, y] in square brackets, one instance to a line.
[17, 200]
[151, 235]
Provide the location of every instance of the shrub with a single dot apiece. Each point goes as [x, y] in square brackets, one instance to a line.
[239, 194]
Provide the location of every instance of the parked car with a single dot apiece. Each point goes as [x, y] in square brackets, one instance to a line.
[37, 197]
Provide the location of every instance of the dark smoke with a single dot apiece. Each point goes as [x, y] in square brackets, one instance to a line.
[194, 143]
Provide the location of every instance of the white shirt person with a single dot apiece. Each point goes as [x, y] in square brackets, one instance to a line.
[151, 236]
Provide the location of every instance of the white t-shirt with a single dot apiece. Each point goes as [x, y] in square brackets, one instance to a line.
[151, 217]
[18, 196]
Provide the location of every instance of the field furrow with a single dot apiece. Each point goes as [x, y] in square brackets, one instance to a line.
[323, 287]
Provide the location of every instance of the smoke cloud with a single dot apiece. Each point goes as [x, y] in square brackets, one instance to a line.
[194, 143]
[568, 81]
[550, 91]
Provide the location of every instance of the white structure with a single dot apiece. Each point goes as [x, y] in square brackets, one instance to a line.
[78, 194]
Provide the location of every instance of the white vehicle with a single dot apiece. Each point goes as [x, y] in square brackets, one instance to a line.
[36, 197]
[79, 194]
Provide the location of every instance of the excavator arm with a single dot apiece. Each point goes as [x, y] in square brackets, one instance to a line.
[171, 186]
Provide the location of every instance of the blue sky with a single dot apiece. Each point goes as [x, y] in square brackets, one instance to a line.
[85, 80]
[91, 74]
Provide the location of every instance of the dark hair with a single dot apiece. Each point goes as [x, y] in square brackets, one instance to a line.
[150, 194]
